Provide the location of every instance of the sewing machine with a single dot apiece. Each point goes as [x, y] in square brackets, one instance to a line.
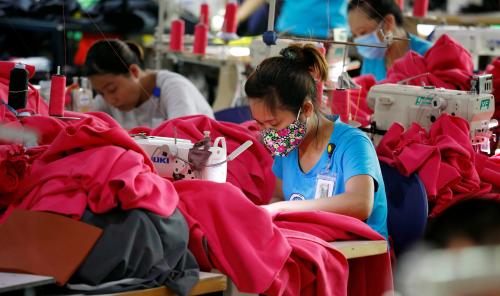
[171, 157]
[406, 104]
[479, 41]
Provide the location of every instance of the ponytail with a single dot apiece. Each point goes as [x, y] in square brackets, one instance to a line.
[112, 56]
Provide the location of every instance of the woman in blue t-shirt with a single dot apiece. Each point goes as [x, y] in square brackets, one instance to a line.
[368, 21]
[320, 163]
[306, 18]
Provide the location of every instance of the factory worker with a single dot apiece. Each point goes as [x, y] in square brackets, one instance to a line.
[320, 163]
[137, 97]
[368, 19]
[308, 18]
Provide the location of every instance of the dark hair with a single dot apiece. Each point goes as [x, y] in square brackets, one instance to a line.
[378, 9]
[112, 56]
[477, 219]
[286, 81]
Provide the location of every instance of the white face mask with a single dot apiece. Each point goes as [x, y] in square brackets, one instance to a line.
[371, 52]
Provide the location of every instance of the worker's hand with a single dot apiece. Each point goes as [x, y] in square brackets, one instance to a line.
[274, 208]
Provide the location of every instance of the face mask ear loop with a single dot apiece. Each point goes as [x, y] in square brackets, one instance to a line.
[298, 115]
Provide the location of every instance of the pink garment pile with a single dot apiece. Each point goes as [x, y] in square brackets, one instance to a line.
[444, 160]
[288, 257]
[448, 64]
[91, 162]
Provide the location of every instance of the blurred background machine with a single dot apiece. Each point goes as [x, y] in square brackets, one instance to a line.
[407, 104]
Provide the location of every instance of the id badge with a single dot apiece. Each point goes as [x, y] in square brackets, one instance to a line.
[325, 185]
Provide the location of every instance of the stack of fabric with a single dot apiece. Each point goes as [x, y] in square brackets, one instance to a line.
[444, 159]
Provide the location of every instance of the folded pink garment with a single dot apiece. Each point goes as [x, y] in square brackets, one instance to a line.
[448, 63]
[287, 254]
[443, 158]
[91, 162]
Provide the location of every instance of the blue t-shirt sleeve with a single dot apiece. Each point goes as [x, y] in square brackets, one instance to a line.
[376, 67]
[419, 45]
[360, 158]
[278, 167]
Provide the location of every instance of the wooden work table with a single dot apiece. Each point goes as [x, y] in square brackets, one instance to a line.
[357, 249]
[209, 282]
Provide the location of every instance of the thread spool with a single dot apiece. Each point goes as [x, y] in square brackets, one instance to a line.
[200, 39]
[340, 104]
[230, 23]
[420, 8]
[205, 14]
[177, 35]
[18, 87]
[57, 94]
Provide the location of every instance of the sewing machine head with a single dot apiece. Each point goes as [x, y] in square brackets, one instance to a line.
[173, 159]
[406, 104]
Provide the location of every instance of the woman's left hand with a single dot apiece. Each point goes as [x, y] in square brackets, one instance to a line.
[274, 207]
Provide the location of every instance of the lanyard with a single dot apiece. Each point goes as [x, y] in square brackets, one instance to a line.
[330, 149]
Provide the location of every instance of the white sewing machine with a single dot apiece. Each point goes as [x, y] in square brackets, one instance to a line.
[479, 41]
[170, 157]
[406, 104]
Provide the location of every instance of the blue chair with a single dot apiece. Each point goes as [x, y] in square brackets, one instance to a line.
[234, 114]
[407, 208]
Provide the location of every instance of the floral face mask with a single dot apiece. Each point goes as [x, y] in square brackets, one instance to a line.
[282, 142]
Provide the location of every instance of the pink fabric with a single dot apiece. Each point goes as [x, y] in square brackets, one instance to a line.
[91, 162]
[251, 171]
[13, 167]
[488, 169]
[240, 235]
[443, 158]
[287, 257]
[367, 276]
[35, 102]
[448, 63]
[494, 68]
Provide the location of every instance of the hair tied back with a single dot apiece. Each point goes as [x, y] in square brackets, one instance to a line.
[289, 53]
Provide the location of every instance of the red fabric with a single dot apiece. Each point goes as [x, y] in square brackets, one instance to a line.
[140, 130]
[35, 102]
[91, 162]
[368, 275]
[488, 169]
[251, 171]
[13, 166]
[240, 235]
[287, 257]
[443, 158]
[448, 63]
[494, 68]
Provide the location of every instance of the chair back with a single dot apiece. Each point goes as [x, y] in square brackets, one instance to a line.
[407, 207]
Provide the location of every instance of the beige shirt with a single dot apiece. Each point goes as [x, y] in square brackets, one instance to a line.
[178, 97]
